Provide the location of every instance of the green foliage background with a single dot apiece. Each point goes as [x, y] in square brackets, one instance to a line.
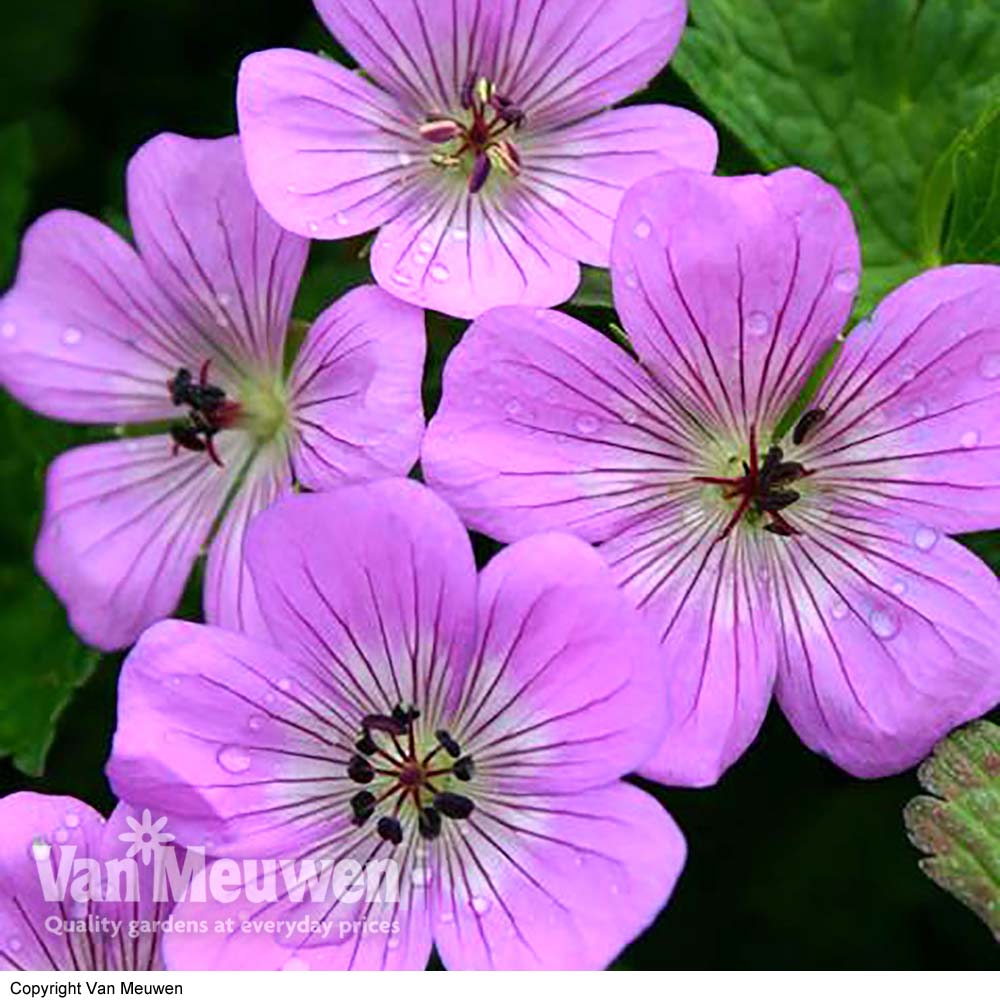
[792, 864]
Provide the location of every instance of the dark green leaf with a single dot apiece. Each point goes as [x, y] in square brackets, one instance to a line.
[867, 93]
[958, 824]
[594, 291]
[974, 231]
[15, 167]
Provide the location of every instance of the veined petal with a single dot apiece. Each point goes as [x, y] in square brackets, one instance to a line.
[206, 240]
[230, 597]
[462, 253]
[124, 522]
[563, 59]
[574, 177]
[422, 52]
[733, 288]
[329, 154]
[355, 391]
[706, 601]
[374, 587]
[39, 832]
[560, 882]
[544, 424]
[890, 638]
[85, 334]
[240, 747]
[913, 404]
[566, 689]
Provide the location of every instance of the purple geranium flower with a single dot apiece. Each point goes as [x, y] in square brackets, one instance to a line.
[192, 329]
[481, 145]
[811, 565]
[474, 732]
[47, 837]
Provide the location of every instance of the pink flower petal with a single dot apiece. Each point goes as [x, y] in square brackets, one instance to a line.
[733, 288]
[913, 404]
[85, 334]
[329, 154]
[890, 639]
[210, 245]
[544, 424]
[706, 602]
[462, 253]
[574, 177]
[356, 391]
[124, 522]
[563, 59]
[565, 679]
[560, 882]
[375, 587]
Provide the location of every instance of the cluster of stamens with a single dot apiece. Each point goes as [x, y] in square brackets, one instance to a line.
[209, 411]
[493, 116]
[764, 488]
[387, 750]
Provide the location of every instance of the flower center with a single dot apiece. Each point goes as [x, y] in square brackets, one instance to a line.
[478, 144]
[262, 412]
[404, 779]
[764, 488]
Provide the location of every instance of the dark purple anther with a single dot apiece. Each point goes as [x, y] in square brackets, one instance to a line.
[480, 173]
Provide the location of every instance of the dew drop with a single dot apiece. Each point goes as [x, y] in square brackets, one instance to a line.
[908, 373]
[899, 588]
[513, 407]
[629, 414]
[918, 411]
[847, 281]
[393, 943]
[14, 944]
[8, 330]
[313, 227]
[459, 235]
[341, 218]
[440, 273]
[587, 424]
[839, 610]
[632, 280]
[405, 159]
[969, 439]
[642, 229]
[480, 904]
[883, 623]
[235, 760]
[295, 965]
[758, 324]
[61, 835]
[925, 539]
[224, 298]
[989, 366]
[402, 279]
[71, 336]
[292, 189]
[71, 820]
[255, 723]
[285, 684]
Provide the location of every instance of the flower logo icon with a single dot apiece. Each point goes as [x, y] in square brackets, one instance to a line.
[146, 837]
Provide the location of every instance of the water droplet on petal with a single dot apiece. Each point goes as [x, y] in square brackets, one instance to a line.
[513, 407]
[393, 943]
[839, 610]
[642, 229]
[459, 235]
[71, 820]
[235, 760]
[8, 330]
[907, 373]
[71, 336]
[440, 273]
[285, 684]
[989, 366]
[295, 965]
[224, 298]
[61, 835]
[899, 588]
[632, 280]
[758, 324]
[341, 218]
[255, 723]
[919, 411]
[313, 227]
[925, 539]
[14, 944]
[629, 413]
[587, 424]
[847, 281]
[402, 278]
[970, 439]
[405, 159]
[480, 904]
[292, 189]
[884, 623]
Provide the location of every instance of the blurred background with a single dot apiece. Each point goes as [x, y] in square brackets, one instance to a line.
[792, 864]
